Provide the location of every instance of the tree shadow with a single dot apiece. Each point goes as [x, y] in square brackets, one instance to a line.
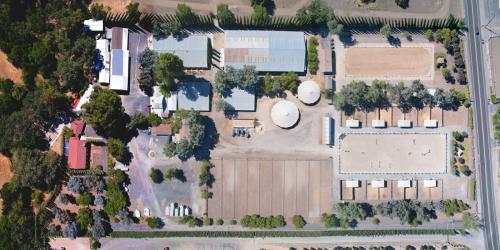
[211, 139]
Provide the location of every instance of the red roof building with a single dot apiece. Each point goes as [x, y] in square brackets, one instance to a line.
[77, 157]
[77, 127]
[162, 130]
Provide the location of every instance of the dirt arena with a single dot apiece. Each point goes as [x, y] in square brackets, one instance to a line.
[271, 187]
[384, 62]
[393, 153]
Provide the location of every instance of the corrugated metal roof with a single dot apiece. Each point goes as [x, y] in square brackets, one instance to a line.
[274, 51]
[192, 50]
[194, 95]
[117, 62]
[241, 99]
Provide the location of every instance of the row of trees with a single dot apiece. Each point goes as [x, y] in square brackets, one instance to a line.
[312, 55]
[358, 96]
[276, 85]
[256, 221]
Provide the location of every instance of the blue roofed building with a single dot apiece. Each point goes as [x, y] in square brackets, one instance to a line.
[192, 50]
[268, 51]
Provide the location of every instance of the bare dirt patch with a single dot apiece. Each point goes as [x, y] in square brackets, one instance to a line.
[5, 172]
[380, 61]
[393, 153]
[8, 71]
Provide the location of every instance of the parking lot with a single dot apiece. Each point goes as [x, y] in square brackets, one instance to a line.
[271, 187]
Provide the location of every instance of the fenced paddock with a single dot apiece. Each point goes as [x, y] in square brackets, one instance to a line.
[382, 61]
[393, 153]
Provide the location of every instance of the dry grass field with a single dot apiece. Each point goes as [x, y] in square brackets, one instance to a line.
[393, 153]
[8, 71]
[389, 63]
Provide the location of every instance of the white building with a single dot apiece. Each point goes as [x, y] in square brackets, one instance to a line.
[119, 60]
[93, 25]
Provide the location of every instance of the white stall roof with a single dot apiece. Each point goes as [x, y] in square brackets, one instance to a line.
[404, 183]
[430, 183]
[378, 183]
[352, 123]
[378, 123]
[103, 46]
[352, 184]
[119, 70]
[430, 123]
[327, 130]
[404, 123]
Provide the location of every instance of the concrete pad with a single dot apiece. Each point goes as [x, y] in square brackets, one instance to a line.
[437, 114]
[253, 187]
[456, 118]
[397, 114]
[360, 192]
[266, 187]
[215, 204]
[290, 188]
[411, 193]
[278, 187]
[436, 193]
[302, 188]
[412, 115]
[371, 192]
[385, 193]
[370, 116]
[346, 193]
[228, 189]
[241, 181]
[314, 189]
[423, 193]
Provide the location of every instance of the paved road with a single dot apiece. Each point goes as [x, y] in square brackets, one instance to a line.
[481, 120]
[135, 101]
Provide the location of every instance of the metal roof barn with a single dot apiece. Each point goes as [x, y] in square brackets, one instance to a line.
[194, 95]
[241, 99]
[268, 51]
[192, 50]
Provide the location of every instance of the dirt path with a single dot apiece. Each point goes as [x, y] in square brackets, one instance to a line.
[7, 70]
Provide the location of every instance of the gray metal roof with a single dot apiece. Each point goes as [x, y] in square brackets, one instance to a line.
[241, 99]
[192, 50]
[117, 62]
[273, 51]
[194, 94]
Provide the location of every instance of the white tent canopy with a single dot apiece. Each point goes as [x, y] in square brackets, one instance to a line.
[309, 92]
[404, 183]
[285, 114]
[378, 183]
[352, 183]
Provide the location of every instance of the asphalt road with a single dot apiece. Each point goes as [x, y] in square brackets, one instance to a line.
[481, 121]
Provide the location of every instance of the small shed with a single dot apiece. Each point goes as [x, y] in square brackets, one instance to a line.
[352, 123]
[352, 184]
[430, 123]
[404, 183]
[77, 158]
[378, 183]
[378, 123]
[430, 183]
[93, 25]
[327, 130]
[404, 123]
[162, 130]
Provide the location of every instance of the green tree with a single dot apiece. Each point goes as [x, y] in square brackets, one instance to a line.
[225, 15]
[206, 178]
[138, 121]
[248, 76]
[407, 35]
[84, 199]
[470, 221]
[104, 112]
[219, 222]
[335, 27]
[298, 221]
[84, 217]
[447, 75]
[116, 200]
[168, 69]
[35, 169]
[133, 10]
[386, 30]
[156, 175]
[165, 29]
[260, 14]
[117, 149]
[154, 222]
[97, 11]
[207, 221]
[71, 73]
[330, 220]
[315, 13]
[184, 13]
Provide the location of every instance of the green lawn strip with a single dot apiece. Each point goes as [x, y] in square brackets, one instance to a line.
[263, 234]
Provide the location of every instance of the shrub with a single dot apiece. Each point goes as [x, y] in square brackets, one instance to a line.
[458, 136]
[154, 222]
[233, 222]
[219, 222]
[298, 221]
[402, 3]
[375, 221]
[256, 221]
[330, 220]
[461, 160]
[453, 206]
[447, 75]
[464, 169]
[207, 221]
[312, 55]
[386, 31]
[429, 34]
[407, 35]
[64, 199]
[156, 175]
